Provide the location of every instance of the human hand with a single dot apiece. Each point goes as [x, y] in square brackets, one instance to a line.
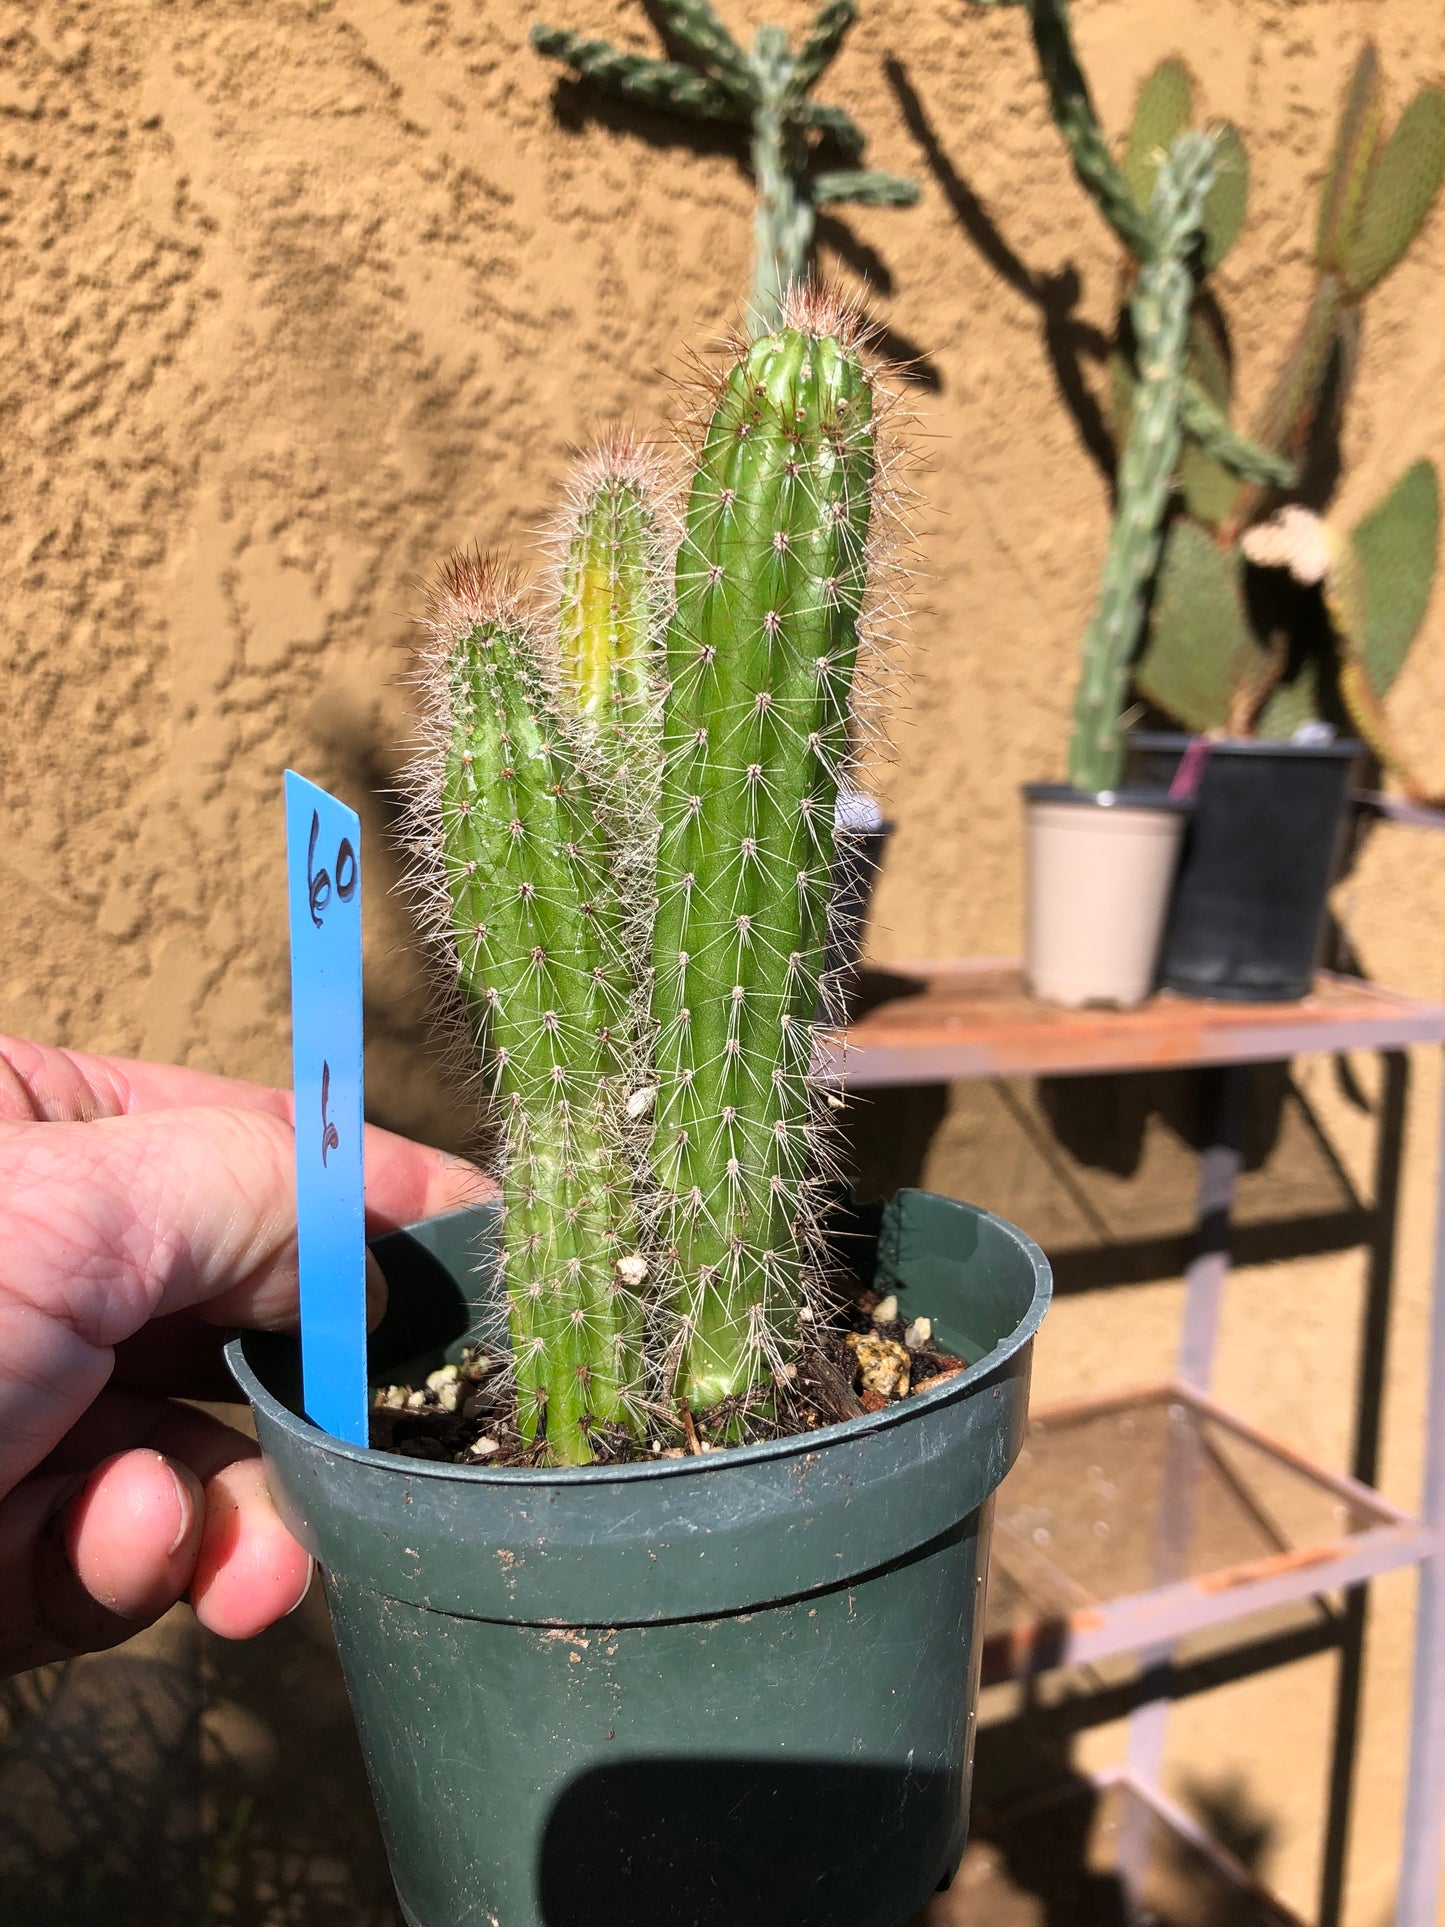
[143, 1209]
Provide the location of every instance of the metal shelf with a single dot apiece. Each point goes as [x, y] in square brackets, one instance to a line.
[1223, 1522]
[1139, 1518]
[1078, 1854]
[933, 1022]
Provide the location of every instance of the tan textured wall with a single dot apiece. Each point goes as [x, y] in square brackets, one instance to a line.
[299, 295]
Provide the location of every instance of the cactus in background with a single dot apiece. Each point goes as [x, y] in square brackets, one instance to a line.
[767, 91]
[1376, 581]
[1121, 191]
[760, 661]
[1160, 311]
[532, 913]
[1376, 197]
[629, 850]
[1219, 658]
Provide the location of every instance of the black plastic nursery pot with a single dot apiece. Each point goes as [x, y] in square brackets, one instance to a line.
[1247, 914]
[694, 1692]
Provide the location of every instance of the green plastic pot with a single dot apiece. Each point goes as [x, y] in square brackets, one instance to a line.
[737, 1688]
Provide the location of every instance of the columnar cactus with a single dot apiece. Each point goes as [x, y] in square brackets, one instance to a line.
[760, 660]
[768, 91]
[630, 818]
[536, 927]
[1160, 311]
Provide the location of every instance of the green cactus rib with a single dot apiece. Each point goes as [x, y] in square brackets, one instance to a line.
[1209, 427]
[820, 44]
[1164, 102]
[1072, 107]
[545, 982]
[1160, 314]
[864, 187]
[760, 659]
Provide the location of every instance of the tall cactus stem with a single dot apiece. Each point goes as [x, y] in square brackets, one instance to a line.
[529, 910]
[1160, 314]
[760, 662]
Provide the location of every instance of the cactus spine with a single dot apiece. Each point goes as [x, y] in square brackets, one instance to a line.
[760, 660]
[536, 927]
[1160, 312]
[768, 91]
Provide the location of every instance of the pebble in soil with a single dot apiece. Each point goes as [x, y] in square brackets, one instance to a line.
[862, 1358]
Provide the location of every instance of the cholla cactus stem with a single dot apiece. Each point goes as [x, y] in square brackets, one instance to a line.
[1160, 312]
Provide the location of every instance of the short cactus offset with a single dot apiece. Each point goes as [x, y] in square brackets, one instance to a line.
[768, 91]
[533, 917]
[634, 839]
[760, 662]
[613, 558]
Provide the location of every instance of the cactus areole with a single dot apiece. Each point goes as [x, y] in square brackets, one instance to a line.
[625, 822]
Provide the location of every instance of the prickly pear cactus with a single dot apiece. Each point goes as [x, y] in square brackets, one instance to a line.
[1221, 657]
[760, 664]
[768, 90]
[530, 912]
[1376, 579]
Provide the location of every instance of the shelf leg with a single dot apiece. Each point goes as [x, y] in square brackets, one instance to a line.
[1364, 1466]
[1418, 1896]
[1203, 1302]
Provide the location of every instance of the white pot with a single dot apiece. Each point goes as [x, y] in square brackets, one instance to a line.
[1099, 872]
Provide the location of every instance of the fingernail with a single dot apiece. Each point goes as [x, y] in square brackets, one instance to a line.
[185, 1505]
[310, 1575]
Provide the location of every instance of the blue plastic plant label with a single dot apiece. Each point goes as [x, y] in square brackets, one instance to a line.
[323, 863]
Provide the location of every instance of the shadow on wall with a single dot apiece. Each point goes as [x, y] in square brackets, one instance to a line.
[1068, 341]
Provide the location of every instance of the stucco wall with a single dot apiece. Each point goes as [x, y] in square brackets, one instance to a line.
[297, 296]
